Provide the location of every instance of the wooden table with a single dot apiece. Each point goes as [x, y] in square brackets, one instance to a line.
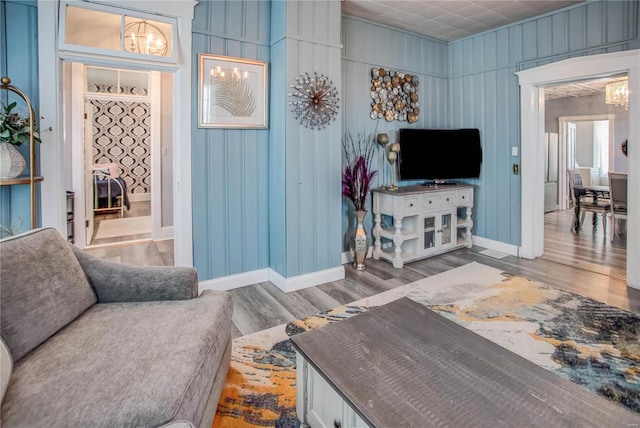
[402, 365]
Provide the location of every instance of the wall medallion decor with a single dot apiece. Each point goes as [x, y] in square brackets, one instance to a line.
[395, 95]
[232, 92]
[315, 100]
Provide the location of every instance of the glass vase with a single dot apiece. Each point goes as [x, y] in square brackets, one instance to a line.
[359, 241]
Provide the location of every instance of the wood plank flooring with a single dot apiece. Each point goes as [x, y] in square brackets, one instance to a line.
[586, 263]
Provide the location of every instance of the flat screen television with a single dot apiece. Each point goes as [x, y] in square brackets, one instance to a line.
[439, 154]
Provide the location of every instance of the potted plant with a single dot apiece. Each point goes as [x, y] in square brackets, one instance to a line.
[357, 178]
[14, 131]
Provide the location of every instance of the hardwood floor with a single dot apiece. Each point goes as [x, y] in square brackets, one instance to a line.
[586, 263]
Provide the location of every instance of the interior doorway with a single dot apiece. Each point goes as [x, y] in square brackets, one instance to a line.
[119, 136]
[532, 102]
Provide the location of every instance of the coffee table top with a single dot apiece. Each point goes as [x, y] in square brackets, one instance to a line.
[403, 365]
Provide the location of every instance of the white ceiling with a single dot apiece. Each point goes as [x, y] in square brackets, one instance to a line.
[579, 89]
[449, 20]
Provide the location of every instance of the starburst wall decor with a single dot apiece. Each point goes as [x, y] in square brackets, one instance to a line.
[315, 100]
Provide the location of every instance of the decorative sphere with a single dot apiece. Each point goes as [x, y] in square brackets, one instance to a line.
[383, 139]
[392, 156]
[6, 81]
[395, 147]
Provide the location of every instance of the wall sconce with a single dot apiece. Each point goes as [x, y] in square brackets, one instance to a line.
[146, 38]
[617, 93]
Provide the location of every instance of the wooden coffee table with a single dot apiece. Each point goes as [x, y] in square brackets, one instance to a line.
[403, 365]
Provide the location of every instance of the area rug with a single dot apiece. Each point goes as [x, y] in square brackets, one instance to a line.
[587, 342]
[112, 228]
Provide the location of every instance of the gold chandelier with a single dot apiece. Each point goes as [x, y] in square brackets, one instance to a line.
[617, 93]
[146, 38]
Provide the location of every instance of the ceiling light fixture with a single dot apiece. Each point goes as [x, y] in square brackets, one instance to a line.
[146, 38]
[617, 93]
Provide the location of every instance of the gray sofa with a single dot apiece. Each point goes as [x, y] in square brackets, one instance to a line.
[89, 343]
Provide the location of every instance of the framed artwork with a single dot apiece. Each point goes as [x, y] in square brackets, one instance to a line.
[232, 92]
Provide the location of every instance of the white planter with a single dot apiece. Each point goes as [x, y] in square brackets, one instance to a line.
[12, 163]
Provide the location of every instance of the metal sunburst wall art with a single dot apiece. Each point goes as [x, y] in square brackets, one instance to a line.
[315, 100]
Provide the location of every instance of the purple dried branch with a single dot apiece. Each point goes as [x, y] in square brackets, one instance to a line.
[358, 175]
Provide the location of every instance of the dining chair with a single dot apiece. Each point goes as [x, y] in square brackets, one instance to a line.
[587, 204]
[618, 198]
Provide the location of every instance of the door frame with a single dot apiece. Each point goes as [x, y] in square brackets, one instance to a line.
[532, 121]
[53, 167]
[563, 193]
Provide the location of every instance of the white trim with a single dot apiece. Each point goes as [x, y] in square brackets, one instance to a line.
[503, 247]
[235, 281]
[263, 275]
[532, 128]
[295, 283]
[53, 168]
[156, 155]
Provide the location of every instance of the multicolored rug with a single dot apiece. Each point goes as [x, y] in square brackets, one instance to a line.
[588, 342]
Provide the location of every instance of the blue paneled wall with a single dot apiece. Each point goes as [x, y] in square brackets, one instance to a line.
[18, 61]
[304, 187]
[230, 167]
[484, 92]
[368, 45]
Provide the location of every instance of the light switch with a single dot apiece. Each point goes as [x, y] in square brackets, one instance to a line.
[514, 151]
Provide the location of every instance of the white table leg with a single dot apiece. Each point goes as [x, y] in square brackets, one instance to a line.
[398, 239]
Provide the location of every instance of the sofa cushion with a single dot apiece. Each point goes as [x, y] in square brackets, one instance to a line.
[43, 289]
[6, 367]
[123, 364]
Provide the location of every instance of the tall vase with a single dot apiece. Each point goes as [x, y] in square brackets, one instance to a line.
[360, 242]
[11, 161]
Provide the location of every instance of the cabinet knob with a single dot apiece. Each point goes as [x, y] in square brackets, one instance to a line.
[429, 201]
[447, 199]
[462, 197]
[337, 424]
[410, 205]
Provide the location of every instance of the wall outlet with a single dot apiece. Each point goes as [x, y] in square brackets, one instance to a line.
[516, 168]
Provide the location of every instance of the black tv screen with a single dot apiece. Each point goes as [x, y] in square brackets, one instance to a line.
[439, 154]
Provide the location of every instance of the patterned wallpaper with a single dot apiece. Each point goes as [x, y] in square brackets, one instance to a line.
[122, 135]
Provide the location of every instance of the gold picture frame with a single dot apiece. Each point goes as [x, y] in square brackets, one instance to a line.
[232, 92]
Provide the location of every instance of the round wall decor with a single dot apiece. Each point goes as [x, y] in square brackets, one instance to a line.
[395, 95]
[315, 100]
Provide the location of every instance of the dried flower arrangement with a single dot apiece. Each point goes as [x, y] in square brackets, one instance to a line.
[358, 174]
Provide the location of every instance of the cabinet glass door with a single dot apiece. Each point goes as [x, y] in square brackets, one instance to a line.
[429, 232]
[446, 229]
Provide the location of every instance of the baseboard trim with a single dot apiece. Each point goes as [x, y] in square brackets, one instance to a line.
[164, 233]
[287, 285]
[235, 281]
[512, 250]
[300, 282]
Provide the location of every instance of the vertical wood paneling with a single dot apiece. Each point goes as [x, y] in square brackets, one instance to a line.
[485, 94]
[230, 167]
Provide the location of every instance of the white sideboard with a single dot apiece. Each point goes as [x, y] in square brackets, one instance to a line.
[415, 222]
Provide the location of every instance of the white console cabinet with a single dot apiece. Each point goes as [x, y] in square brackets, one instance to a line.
[415, 222]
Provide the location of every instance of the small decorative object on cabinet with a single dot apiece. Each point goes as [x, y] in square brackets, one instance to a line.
[316, 100]
[32, 178]
[383, 140]
[427, 220]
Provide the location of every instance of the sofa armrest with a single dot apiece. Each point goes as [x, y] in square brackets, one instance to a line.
[114, 282]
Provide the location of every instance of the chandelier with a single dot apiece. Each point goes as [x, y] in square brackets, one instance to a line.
[617, 93]
[146, 38]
